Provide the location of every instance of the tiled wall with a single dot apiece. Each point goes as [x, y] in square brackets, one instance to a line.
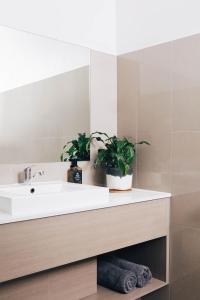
[159, 100]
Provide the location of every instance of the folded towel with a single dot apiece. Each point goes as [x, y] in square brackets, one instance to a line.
[143, 273]
[115, 278]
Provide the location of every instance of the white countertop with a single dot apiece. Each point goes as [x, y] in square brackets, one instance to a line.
[115, 199]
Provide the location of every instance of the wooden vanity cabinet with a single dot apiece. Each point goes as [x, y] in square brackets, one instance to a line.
[33, 246]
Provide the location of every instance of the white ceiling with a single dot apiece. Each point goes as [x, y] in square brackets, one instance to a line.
[89, 23]
[144, 23]
[111, 26]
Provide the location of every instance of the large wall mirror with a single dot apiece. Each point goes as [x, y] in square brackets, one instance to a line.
[44, 96]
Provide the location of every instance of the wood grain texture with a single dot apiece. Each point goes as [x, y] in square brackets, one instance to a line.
[36, 245]
[161, 294]
[106, 294]
[73, 282]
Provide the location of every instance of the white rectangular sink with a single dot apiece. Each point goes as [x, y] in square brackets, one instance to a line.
[18, 199]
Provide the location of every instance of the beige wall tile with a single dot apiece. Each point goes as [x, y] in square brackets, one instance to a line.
[7, 175]
[185, 254]
[154, 106]
[186, 83]
[186, 108]
[185, 209]
[153, 162]
[185, 203]
[154, 112]
[185, 162]
[186, 288]
[128, 95]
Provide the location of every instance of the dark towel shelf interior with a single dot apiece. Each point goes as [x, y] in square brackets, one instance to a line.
[151, 253]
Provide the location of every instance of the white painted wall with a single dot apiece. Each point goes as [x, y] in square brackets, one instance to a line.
[26, 58]
[103, 93]
[143, 23]
[103, 101]
[91, 23]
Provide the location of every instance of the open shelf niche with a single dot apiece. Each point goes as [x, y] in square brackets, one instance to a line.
[152, 254]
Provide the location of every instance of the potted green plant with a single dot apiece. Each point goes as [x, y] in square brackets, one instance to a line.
[117, 157]
[77, 149]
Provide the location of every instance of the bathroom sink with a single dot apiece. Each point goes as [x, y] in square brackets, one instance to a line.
[41, 197]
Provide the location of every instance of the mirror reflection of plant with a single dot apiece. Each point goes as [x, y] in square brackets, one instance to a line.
[119, 153]
[77, 149]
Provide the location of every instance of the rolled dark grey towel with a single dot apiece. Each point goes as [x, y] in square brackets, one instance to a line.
[115, 278]
[143, 273]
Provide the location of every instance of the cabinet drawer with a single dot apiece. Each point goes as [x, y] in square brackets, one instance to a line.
[74, 281]
[36, 245]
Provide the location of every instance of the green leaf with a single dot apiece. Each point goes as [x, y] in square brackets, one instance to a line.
[144, 142]
[78, 148]
[100, 133]
[122, 167]
[118, 153]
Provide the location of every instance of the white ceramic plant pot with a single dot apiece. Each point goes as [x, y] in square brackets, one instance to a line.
[117, 182]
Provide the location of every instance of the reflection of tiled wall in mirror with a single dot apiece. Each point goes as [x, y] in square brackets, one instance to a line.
[39, 118]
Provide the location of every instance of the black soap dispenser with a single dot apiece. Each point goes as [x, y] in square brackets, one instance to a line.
[74, 174]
